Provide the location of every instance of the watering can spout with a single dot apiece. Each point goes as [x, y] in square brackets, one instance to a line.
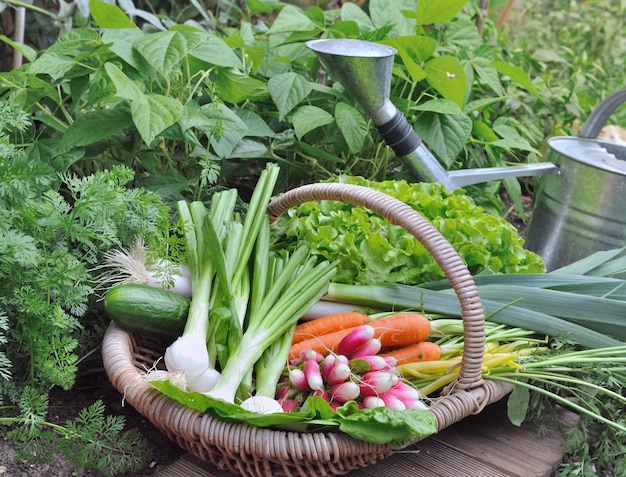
[365, 70]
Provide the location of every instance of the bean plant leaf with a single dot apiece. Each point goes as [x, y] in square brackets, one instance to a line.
[307, 118]
[54, 64]
[383, 12]
[352, 12]
[106, 15]
[235, 87]
[288, 90]
[27, 52]
[488, 75]
[226, 128]
[121, 41]
[446, 75]
[438, 12]
[352, 125]
[212, 50]
[258, 6]
[413, 50]
[125, 87]
[162, 50]
[153, 113]
[256, 126]
[93, 127]
[445, 134]
[291, 18]
[517, 75]
[439, 105]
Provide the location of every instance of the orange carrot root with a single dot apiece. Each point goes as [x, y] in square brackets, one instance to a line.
[397, 330]
[423, 351]
[328, 324]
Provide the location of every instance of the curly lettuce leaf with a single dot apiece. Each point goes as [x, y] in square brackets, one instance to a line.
[380, 425]
[371, 250]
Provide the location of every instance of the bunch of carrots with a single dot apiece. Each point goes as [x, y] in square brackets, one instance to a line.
[402, 336]
[353, 357]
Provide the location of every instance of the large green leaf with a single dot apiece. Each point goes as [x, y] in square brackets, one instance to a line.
[93, 127]
[352, 125]
[125, 87]
[162, 50]
[153, 113]
[413, 50]
[445, 134]
[488, 75]
[439, 105]
[352, 12]
[106, 15]
[226, 128]
[291, 18]
[517, 75]
[307, 118]
[27, 52]
[73, 41]
[446, 75]
[235, 87]
[287, 91]
[384, 12]
[121, 41]
[440, 11]
[53, 64]
[213, 50]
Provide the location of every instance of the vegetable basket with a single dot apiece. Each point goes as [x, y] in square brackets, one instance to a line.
[261, 452]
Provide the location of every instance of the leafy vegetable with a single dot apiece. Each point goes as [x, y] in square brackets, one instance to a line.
[371, 250]
[379, 425]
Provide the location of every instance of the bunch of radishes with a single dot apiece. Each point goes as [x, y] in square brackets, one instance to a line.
[354, 372]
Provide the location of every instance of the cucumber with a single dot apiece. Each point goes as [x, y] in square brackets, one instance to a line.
[146, 310]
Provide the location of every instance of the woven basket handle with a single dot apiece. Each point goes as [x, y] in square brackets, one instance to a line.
[399, 213]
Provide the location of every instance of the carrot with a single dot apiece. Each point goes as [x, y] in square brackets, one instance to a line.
[399, 329]
[327, 324]
[417, 352]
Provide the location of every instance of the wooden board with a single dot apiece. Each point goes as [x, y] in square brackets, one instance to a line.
[485, 445]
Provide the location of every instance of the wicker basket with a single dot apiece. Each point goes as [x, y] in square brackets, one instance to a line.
[263, 452]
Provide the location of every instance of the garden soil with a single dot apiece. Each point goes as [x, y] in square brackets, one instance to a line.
[65, 405]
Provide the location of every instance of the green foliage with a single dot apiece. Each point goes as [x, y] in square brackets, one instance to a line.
[56, 226]
[90, 441]
[370, 250]
[188, 108]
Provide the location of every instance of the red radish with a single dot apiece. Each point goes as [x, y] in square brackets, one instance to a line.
[354, 339]
[391, 401]
[344, 392]
[328, 364]
[370, 348]
[323, 394]
[365, 364]
[371, 402]
[376, 383]
[311, 354]
[289, 405]
[298, 379]
[313, 375]
[339, 374]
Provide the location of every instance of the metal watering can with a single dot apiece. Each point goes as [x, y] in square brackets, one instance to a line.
[576, 211]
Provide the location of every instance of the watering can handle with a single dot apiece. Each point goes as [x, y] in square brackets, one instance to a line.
[601, 114]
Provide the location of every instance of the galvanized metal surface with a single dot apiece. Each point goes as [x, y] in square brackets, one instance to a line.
[582, 209]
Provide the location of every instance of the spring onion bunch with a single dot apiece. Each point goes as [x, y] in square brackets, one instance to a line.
[245, 300]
